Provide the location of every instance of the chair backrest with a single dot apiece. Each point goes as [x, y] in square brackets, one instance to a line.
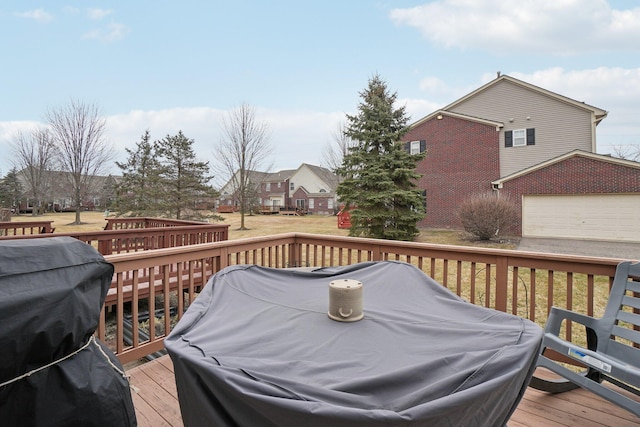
[622, 315]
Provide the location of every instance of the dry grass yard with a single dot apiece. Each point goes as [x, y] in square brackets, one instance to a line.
[263, 225]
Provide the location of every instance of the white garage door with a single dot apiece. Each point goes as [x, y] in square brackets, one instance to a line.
[596, 217]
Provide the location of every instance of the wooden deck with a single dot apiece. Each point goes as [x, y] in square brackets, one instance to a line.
[156, 402]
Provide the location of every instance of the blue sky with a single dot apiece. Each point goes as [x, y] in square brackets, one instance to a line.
[170, 66]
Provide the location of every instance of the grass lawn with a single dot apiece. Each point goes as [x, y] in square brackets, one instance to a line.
[264, 225]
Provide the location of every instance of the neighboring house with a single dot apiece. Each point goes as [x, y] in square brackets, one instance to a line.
[577, 195]
[58, 193]
[228, 200]
[313, 189]
[308, 189]
[507, 136]
[274, 192]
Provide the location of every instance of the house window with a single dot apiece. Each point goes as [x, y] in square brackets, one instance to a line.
[417, 147]
[330, 204]
[267, 186]
[279, 184]
[520, 137]
[311, 203]
[300, 203]
[291, 186]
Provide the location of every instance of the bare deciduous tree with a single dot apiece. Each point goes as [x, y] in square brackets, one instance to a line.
[78, 130]
[334, 151]
[626, 151]
[244, 147]
[34, 155]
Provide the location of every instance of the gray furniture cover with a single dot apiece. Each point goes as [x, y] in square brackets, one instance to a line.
[53, 372]
[257, 348]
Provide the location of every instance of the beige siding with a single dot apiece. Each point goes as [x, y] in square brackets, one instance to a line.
[560, 127]
[611, 217]
[304, 177]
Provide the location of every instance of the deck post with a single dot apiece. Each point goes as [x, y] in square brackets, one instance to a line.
[502, 279]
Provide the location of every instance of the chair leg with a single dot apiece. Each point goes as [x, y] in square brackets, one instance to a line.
[559, 385]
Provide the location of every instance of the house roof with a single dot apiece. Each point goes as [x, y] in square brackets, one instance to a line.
[318, 195]
[324, 174]
[437, 113]
[279, 176]
[574, 153]
[256, 177]
[599, 113]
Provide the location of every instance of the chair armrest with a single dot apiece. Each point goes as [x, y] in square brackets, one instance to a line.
[557, 315]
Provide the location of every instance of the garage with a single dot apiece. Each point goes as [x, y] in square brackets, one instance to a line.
[611, 217]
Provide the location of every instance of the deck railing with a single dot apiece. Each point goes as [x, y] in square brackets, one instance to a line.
[127, 223]
[523, 283]
[22, 228]
[114, 241]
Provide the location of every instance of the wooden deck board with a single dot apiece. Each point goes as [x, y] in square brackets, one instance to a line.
[154, 394]
[156, 402]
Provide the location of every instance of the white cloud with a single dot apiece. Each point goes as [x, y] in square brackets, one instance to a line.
[433, 84]
[557, 26]
[111, 32]
[300, 136]
[614, 89]
[38, 15]
[296, 137]
[8, 132]
[70, 10]
[98, 14]
[418, 108]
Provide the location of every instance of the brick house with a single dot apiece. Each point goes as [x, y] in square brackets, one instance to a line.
[57, 193]
[530, 144]
[274, 191]
[314, 189]
[308, 189]
[577, 195]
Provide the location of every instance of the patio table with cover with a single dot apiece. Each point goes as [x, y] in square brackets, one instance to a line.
[257, 348]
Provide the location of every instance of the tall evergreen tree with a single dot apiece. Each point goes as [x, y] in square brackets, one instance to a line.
[10, 190]
[185, 179]
[140, 189]
[379, 174]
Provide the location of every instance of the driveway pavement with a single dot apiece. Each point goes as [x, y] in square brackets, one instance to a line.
[620, 250]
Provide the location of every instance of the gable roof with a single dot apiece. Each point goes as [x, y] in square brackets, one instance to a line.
[279, 176]
[324, 174]
[256, 177]
[455, 115]
[574, 153]
[598, 113]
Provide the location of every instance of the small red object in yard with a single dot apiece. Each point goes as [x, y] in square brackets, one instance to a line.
[344, 218]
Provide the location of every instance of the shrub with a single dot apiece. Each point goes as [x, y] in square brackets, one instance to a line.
[487, 215]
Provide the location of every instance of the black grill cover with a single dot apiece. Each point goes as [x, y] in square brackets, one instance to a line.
[257, 348]
[51, 294]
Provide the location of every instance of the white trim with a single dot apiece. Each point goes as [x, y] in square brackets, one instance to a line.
[597, 113]
[522, 137]
[454, 115]
[574, 153]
